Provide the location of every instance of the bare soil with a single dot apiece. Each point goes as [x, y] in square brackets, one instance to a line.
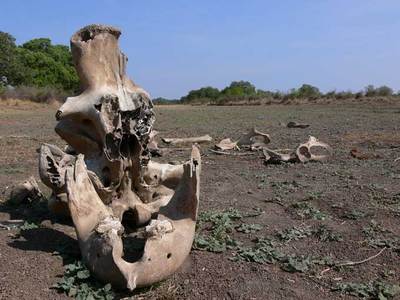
[349, 193]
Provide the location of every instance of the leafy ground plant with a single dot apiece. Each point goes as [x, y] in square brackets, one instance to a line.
[248, 228]
[78, 283]
[374, 290]
[294, 233]
[355, 214]
[222, 224]
[307, 211]
[327, 235]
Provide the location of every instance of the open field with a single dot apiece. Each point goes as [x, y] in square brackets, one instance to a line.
[285, 231]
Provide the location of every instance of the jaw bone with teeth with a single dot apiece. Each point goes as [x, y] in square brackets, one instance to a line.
[134, 218]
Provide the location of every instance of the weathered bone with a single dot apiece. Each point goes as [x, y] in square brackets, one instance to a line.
[112, 190]
[301, 154]
[190, 140]
[26, 191]
[153, 145]
[274, 157]
[226, 144]
[254, 139]
[170, 235]
[304, 153]
[297, 125]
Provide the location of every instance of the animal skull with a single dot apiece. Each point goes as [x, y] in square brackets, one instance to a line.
[134, 218]
[301, 154]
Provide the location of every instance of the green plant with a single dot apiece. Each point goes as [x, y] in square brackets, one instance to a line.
[307, 210]
[218, 238]
[294, 233]
[248, 228]
[28, 226]
[294, 264]
[264, 251]
[355, 214]
[375, 289]
[327, 235]
[77, 283]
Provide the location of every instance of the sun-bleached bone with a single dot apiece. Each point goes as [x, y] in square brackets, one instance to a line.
[170, 235]
[153, 145]
[301, 154]
[226, 144]
[26, 191]
[254, 139]
[190, 140]
[304, 153]
[117, 197]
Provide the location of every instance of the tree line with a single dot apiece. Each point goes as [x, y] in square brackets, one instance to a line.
[35, 68]
[39, 70]
[244, 92]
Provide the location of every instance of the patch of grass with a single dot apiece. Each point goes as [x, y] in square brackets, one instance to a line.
[263, 180]
[294, 233]
[78, 283]
[286, 187]
[374, 290]
[323, 233]
[248, 228]
[28, 226]
[376, 236]
[327, 235]
[264, 251]
[355, 214]
[314, 195]
[307, 211]
[222, 224]
[295, 264]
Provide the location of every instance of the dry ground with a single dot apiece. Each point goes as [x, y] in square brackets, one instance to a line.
[315, 214]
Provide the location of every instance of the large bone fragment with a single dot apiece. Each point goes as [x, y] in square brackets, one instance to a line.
[190, 140]
[302, 153]
[100, 234]
[26, 191]
[118, 198]
[254, 140]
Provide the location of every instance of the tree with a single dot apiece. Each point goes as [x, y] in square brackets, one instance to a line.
[10, 67]
[384, 91]
[208, 93]
[37, 63]
[239, 88]
[370, 91]
[48, 65]
[308, 91]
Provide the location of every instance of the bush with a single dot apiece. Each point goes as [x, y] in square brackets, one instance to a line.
[35, 94]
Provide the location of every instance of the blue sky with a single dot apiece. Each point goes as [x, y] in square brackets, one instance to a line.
[176, 46]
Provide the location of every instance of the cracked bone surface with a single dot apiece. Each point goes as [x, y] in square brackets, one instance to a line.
[134, 218]
[301, 154]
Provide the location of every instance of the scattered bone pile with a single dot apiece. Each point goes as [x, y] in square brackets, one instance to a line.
[255, 140]
[106, 180]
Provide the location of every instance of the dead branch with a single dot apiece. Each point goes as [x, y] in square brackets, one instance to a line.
[353, 263]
